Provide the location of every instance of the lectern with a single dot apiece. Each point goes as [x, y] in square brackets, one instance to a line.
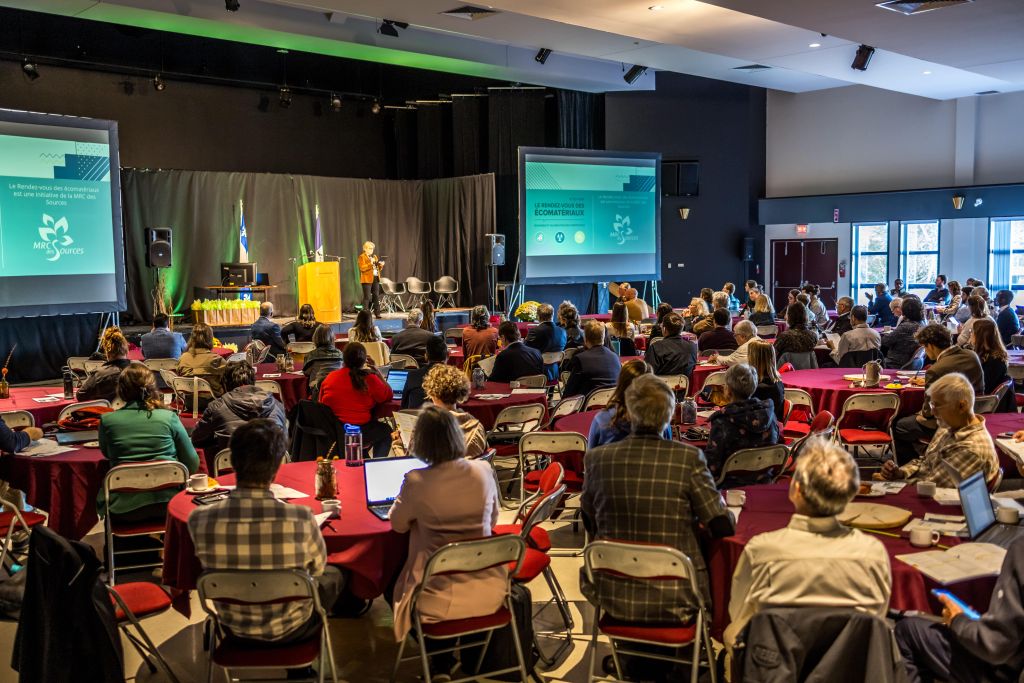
[320, 286]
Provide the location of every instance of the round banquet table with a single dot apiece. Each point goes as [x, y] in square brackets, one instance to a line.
[768, 508]
[358, 542]
[829, 390]
[65, 485]
[293, 384]
[700, 375]
[21, 399]
[996, 424]
[484, 410]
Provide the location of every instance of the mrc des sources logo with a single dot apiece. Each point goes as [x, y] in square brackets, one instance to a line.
[55, 240]
[622, 232]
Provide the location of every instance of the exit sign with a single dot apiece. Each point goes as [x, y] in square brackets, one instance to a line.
[801, 229]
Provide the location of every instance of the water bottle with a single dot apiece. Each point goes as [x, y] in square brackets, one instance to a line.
[353, 446]
[69, 383]
[616, 346]
[688, 411]
[479, 378]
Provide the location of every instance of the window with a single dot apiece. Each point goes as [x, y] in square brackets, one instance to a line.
[919, 256]
[1006, 255]
[870, 257]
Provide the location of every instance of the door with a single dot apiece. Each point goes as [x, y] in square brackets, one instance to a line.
[787, 270]
[797, 262]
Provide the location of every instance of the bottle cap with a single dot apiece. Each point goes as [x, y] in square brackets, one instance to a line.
[351, 429]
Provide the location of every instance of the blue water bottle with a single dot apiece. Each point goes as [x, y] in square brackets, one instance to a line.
[353, 446]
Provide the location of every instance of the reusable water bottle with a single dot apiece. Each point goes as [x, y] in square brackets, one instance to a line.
[69, 383]
[353, 446]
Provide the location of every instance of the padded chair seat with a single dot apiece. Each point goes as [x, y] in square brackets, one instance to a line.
[539, 538]
[796, 429]
[143, 599]
[857, 437]
[668, 634]
[239, 653]
[1020, 400]
[31, 519]
[573, 481]
[137, 528]
[506, 450]
[534, 563]
[457, 627]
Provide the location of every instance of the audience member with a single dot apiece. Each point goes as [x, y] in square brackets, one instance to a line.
[612, 423]
[956, 298]
[199, 360]
[763, 313]
[636, 308]
[302, 328]
[412, 341]
[546, 337]
[242, 402]
[769, 383]
[267, 331]
[364, 330]
[815, 561]
[102, 384]
[983, 293]
[160, 342]
[594, 367]
[664, 308]
[516, 359]
[706, 294]
[744, 333]
[898, 290]
[620, 326]
[791, 299]
[719, 337]
[414, 395]
[141, 431]
[277, 536]
[816, 306]
[939, 294]
[859, 337]
[946, 358]
[751, 289]
[569, 320]
[480, 338]
[322, 360]
[961, 445]
[672, 355]
[880, 306]
[842, 323]
[979, 311]
[896, 306]
[354, 393]
[734, 303]
[719, 302]
[446, 387]
[429, 322]
[963, 314]
[994, 360]
[12, 441]
[1006, 316]
[452, 499]
[746, 422]
[900, 345]
[797, 338]
[696, 312]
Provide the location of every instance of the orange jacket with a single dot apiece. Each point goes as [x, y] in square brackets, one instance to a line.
[366, 269]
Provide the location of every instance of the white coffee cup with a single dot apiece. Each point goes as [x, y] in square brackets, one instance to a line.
[1008, 515]
[735, 498]
[331, 505]
[199, 482]
[514, 384]
[923, 538]
[926, 489]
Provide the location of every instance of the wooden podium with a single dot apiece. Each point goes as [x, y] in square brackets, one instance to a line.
[320, 286]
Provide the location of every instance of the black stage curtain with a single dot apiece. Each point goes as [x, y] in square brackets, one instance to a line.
[580, 119]
[434, 140]
[44, 344]
[425, 228]
[469, 140]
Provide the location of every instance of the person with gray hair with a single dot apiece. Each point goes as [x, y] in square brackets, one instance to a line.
[961, 443]
[815, 561]
[267, 331]
[842, 323]
[746, 422]
[744, 332]
[412, 341]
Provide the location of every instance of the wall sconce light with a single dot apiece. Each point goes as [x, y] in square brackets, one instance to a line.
[684, 212]
[958, 201]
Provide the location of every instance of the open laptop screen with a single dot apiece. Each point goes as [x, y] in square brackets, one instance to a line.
[384, 477]
[977, 504]
[396, 380]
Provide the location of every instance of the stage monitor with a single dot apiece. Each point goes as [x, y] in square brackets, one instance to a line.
[587, 216]
[238, 274]
[61, 241]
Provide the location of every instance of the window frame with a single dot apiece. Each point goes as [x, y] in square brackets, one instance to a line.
[905, 254]
[1008, 253]
[855, 255]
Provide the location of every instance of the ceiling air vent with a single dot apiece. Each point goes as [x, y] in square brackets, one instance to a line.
[909, 7]
[470, 13]
[987, 92]
[751, 67]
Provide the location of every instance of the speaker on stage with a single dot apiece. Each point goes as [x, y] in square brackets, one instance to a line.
[158, 247]
[497, 255]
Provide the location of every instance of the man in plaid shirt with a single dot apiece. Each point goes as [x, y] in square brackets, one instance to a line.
[252, 530]
[650, 490]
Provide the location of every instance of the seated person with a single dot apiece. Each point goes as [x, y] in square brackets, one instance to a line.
[480, 338]
[269, 332]
[965, 650]
[763, 313]
[414, 396]
[664, 308]
[569, 320]
[940, 294]
[842, 323]
[994, 359]
[696, 312]
[880, 306]
[898, 290]
[516, 359]
[547, 337]
[719, 337]
[791, 299]
[364, 330]
[160, 342]
[612, 423]
[956, 299]
[429, 322]
[900, 345]
[277, 536]
[815, 561]
[1006, 316]
[761, 357]
[979, 311]
[858, 338]
[452, 499]
[446, 387]
[719, 301]
[102, 384]
[734, 303]
[594, 367]
[144, 429]
[746, 422]
[672, 355]
[12, 441]
[744, 332]
[620, 325]
[302, 328]
[636, 308]
[798, 337]
[241, 402]
[819, 315]
[322, 360]
[199, 360]
[751, 289]
[354, 393]
[412, 341]
[961, 442]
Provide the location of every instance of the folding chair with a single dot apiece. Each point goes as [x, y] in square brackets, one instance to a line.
[598, 398]
[651, 563]
[253, 589]
[299, 350]
[16, 419]
[271, 386]
[680, 384]
[767, 331]
[135, 601]
[378, 352]
[72, 407]
[11, 519]
[533, 382]
[798, 421]
[866, 420]
[222, 462]
[552, 357]
[138, 477]
[567, 406]
[256, 352]
[187, 391]
[91, 366]
[77, 365]
[401, 361]
[822, 427]
[715, 379]
[453, 335]
[158, 364]
[467, 558]
[749, 466]
[509, 427]
[537, 450]
[550, 478]
[569, 353]
[986, 404]
[446, 287]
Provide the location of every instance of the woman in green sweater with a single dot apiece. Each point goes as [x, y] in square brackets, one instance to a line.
[143, 430]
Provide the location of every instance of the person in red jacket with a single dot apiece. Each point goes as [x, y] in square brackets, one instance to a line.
[353, 393]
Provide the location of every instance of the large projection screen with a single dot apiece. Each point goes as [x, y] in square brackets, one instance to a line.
[589, 216]
[61, 239]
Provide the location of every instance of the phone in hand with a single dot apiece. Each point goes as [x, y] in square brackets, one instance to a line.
[969, 611]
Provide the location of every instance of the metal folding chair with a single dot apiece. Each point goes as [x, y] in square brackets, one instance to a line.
[70, 408]
[16, 419]
[598, 398]
[403, 361]
[866, 420]
[754, 465]
[222, 462]
[135, 601]
[188, 390]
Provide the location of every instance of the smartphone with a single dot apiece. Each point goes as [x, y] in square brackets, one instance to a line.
[969, 611]
[209, 498]
[1005, 435]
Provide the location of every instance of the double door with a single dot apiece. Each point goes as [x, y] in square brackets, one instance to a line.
[798, 262]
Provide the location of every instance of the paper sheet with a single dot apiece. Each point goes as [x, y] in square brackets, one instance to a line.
[1015, 449]
[280, 492]
[45, 447]
[406, 423]
[947, 496]
[491, 397]
[529, 391]
[48, 399]
[959, 563]
[946, 528]
[270, 375]
[322, 517]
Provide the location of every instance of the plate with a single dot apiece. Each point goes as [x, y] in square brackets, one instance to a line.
[860, 377]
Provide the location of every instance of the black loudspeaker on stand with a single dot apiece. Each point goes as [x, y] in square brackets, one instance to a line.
[159, 248]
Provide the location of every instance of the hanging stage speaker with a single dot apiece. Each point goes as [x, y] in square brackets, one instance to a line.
[497, 256]
[748, 248]
[158, 247]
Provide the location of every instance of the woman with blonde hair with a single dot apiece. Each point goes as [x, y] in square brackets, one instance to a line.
[199, 360]
[764, 312]
[102, 384]
[956, 299]
[569, 320]
[370, 267]
[761, 357]
[612, 423]
[697, 312]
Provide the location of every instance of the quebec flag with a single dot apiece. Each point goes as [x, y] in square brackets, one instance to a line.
[243, 238]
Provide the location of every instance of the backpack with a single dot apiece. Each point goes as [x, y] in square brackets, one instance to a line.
[84, 419]
[501, 652]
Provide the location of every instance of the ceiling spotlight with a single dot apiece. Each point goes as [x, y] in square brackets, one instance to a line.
[30, 69]
[389, 27]
[376, 107]
[335, 102]
[635, 72]
[285, 97]
[863, 57]
[158, 83]
[264, 104]
[231, 5]
[542, 55]
[814, 45]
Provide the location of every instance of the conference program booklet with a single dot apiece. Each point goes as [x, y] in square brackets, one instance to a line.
[959, 563]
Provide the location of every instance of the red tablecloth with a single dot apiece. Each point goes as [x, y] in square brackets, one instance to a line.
[293, 384]
[996, 424]
[829, 390]
[768, 508]
[65, 485]
[699, 376]
[358, 542]
[21, 399]
[484, 410]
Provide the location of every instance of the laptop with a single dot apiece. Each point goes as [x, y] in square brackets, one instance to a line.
[396, 380]
[981, 519]
[71, 438]
[384, 477]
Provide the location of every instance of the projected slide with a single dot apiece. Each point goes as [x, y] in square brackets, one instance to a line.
[60, 223]
[589, 216]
